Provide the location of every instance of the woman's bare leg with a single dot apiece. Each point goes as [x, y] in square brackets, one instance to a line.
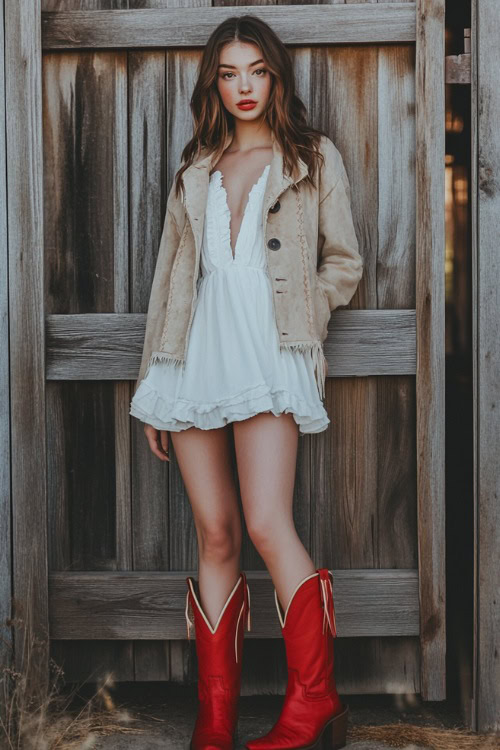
[205, 464]
[266, 452]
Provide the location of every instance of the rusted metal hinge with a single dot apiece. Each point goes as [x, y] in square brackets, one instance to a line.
[457, 67]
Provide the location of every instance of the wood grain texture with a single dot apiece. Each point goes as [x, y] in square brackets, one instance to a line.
[486, 346]
[430, 306]
[355, 494]
[343, 486]
[474, 184]
[86, 252]
[108, 346]
[396, 527]
[396, 407]
[360, 23]
[147, 199]
[85, 211]
[23, 104]
[181, 73]
[151, 605]
[356, 94]
[5, 445]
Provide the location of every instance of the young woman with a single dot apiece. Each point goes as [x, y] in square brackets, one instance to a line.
[258, 248]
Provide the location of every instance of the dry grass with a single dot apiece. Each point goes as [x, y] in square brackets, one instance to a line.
[401, 735]
[35, 713]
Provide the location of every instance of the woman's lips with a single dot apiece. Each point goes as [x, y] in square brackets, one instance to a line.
[247, 105]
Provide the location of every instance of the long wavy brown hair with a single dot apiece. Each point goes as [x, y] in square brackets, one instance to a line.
[285, 113]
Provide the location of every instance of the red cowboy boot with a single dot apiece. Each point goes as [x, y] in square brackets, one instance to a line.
[219, 652]
[313, 716]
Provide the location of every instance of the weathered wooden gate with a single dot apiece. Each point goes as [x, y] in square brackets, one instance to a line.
[103, 537]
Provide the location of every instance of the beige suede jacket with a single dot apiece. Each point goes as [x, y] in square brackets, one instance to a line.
[312, 257]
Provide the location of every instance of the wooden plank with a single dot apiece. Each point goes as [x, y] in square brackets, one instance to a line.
[343, 470]
[91, 173]
[377, 666]
[474, 193]
[181, 76]
[148, 196]
[344, 461]
[396, 474]
[93, 661]
[360, 23]
[395, 521]
[5, 448]
[486, 347]
[430, 383]
[150, 605]
[107, 346]
[23, 98]
[86, 251]
[121, 391]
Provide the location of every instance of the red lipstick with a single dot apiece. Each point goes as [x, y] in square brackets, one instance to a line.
[246, 104]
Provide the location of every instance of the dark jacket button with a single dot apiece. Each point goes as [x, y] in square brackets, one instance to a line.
[275, 208]
[274, 244]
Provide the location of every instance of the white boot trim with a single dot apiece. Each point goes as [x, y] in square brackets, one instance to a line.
[291, 598]
[212, 630]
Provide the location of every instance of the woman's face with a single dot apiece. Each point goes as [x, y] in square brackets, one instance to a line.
[242, 74]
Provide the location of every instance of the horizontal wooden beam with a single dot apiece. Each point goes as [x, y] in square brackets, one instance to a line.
[190, 27]
[108, 346]
[151, 605]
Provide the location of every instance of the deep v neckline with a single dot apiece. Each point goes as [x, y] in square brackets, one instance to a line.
[229, 215]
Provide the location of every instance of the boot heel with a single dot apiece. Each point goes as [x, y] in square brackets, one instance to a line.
[334, 736]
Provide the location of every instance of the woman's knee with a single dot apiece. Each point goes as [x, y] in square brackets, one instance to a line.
[264, 532]
[219, 541]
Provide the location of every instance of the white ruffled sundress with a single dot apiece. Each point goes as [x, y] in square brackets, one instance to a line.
[234, 368]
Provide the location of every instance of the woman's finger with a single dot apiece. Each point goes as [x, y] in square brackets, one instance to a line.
[164, 440]
[152, 435]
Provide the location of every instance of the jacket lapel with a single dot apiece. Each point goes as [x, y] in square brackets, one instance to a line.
[196, 180]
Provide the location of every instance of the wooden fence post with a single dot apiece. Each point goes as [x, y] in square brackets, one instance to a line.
[23, 97]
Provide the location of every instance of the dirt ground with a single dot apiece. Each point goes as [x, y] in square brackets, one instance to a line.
[165, 715]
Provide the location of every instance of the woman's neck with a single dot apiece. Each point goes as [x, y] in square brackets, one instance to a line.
[248, 136]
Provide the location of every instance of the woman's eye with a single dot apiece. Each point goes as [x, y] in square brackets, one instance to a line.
[259, 70]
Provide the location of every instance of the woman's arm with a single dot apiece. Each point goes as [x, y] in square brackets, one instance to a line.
[340, 265]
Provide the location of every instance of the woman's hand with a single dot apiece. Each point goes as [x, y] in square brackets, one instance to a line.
[158, 441]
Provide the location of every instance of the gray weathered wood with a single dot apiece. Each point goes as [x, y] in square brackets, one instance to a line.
[395, 518]
[92, 508]
[191, 27]
[108, 346]
[394, 512]
[97, 605]
[362, 483]
[23, 88]
[486, 347]
[430, 153]
[355, 495]
[86, 210]
[5, 448]
[148, 151]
